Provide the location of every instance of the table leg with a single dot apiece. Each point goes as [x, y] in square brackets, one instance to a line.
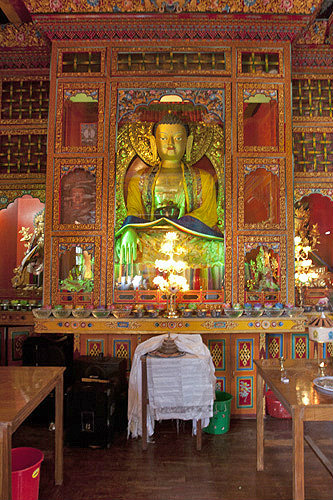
[144, 402]
[5, 462]
[260, 422]
[298, 454]
[199, 434]
[59, 443]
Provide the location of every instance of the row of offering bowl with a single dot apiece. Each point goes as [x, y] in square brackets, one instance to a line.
[42, 313]
[270, 312]
[81, 313]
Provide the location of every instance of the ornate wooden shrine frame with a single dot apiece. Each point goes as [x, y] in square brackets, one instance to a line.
[125, 86]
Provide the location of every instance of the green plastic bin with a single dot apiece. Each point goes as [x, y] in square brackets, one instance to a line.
[220, 421]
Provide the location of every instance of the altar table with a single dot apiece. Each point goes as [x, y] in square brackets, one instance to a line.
[304, 403]
[177, 388]
[22, 389]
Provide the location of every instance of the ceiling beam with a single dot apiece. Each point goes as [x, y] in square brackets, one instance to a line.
[15, 11]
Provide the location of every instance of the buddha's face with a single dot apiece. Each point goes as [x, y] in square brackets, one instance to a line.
[171, 141]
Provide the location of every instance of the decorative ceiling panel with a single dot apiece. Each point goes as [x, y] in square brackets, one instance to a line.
[230, 6]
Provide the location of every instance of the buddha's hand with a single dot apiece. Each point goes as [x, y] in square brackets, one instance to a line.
[128, 246]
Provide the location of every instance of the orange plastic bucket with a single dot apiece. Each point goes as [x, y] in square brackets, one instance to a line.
[25, 473]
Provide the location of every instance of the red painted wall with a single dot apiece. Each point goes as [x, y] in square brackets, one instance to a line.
[8, 237]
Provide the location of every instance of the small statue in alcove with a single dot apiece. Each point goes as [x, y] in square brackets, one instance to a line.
[33, 261]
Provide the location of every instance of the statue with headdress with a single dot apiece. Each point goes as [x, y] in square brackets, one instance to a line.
[33, 261]
[167, 190]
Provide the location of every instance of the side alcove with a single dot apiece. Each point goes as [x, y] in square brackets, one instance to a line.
[22, 241]
[314, 227]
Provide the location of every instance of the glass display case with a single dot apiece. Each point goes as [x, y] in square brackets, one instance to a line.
[80, 117]
[169, 178]
[77, 182]
[76, 259]
[22, 241]
[260, 117]
[262, 269]
[261, 201]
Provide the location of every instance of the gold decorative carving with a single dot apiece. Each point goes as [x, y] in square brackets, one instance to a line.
[261, 87]
[25, 178]
[28, 123]
[8, 194]
[77, 343]
[298, 129]
[125, 154]
[88, 48]
[290, 232]
[315, 33]
[80, 87]
[312, 175]
[260, 74]
[21, 127]
[22, 35]
[40, 326]
[313, 129]
[258, 241]
[262, 342]
[136, 6]
[275, 165]
[228, 230]
[75, 241]
[21, 95]
[299, 325]
[70, 165]
[132, 325]
[329, 347]
[214, 153]
[211, 324]
[298, 6]
[110, 186]
[322, 188]
[311, 80]
[169, 54]
[297, 120]
[25, 78]
[274, 348]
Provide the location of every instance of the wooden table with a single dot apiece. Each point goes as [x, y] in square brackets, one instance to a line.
[304, 403]
[22, 389]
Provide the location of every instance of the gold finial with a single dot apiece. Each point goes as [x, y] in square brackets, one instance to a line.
[282, 360]
[322, 366]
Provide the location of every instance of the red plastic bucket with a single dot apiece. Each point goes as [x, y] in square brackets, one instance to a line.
[25, 473]
[274, 407]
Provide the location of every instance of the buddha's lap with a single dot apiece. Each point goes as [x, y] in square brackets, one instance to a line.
[199, 252]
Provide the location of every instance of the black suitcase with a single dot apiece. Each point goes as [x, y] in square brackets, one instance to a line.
[91, 414]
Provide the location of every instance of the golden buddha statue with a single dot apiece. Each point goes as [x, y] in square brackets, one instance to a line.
[170, 193]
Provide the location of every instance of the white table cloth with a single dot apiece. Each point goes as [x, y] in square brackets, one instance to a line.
[178, 388]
